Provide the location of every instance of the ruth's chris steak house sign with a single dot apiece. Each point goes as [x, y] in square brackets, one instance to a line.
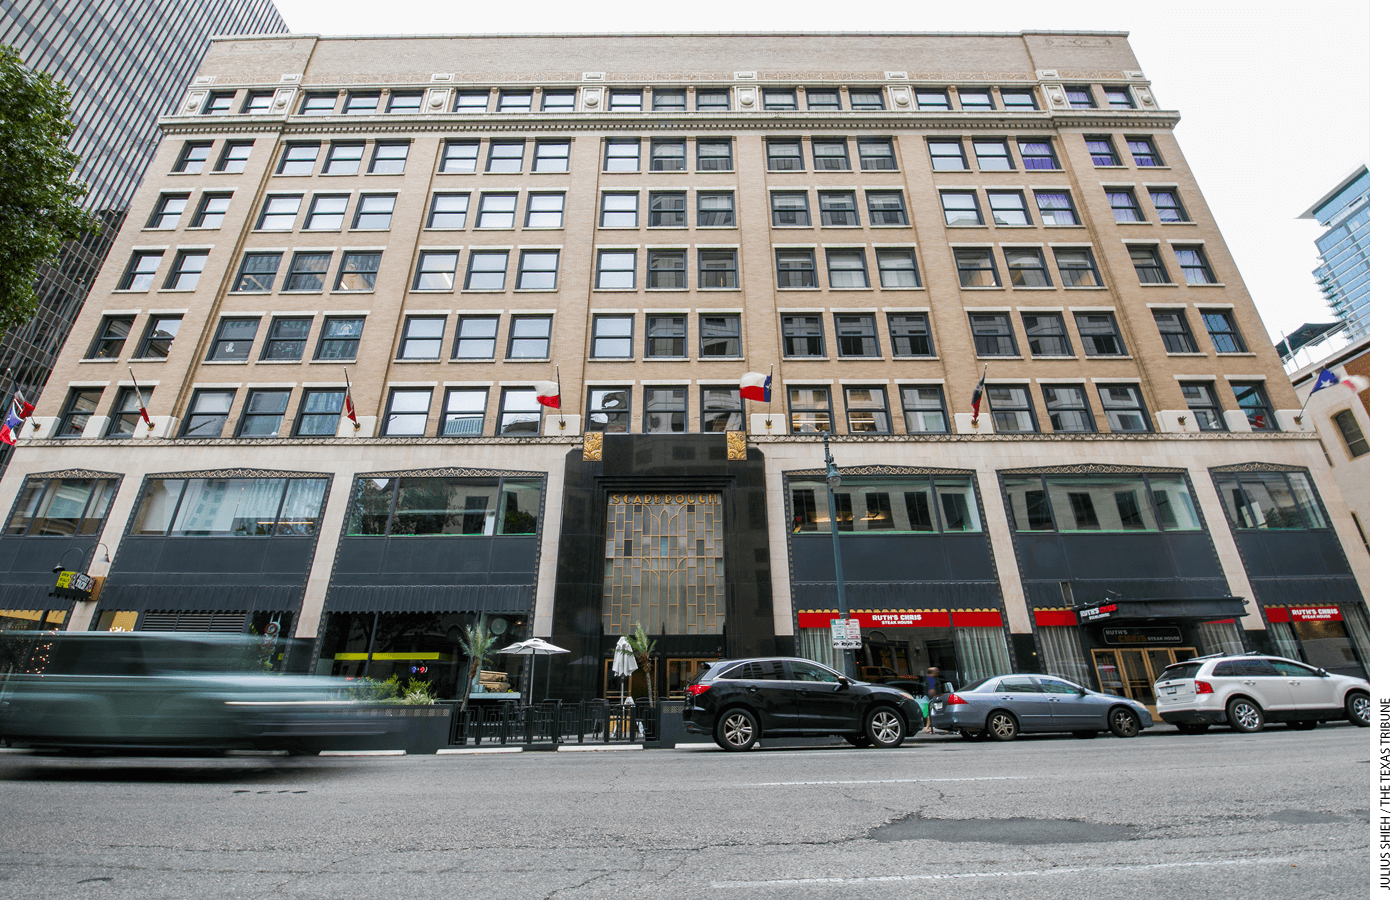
[1163, 634]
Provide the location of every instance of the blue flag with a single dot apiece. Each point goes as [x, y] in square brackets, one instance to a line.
[1325, 379]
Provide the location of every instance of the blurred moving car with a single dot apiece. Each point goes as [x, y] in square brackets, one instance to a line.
[1246, 691]
[737, 701]
[1004, 706]
[164, 691]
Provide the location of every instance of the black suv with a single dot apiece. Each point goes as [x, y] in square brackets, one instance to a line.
[736, 701]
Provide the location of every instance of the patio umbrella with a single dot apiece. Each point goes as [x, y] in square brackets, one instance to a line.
[624, 663]
[532, 648]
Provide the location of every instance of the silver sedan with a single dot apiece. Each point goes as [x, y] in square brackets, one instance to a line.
[1004, 706]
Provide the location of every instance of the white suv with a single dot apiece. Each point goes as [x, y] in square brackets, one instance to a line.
[1246, 691]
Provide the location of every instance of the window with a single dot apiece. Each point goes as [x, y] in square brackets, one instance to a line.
[1019, 101]
[111, 337]
[712, 99]
[422, 337]
[557, 101]
[361, 103]
[407, 413]
[340, 338]
[828, 155]
[1144, 152]
[404, 102]
[667, 209]
[1099, 333]
[126, 413]
[62, 507]
[1176, 336]
[539, 270]
[609, 410]
[160, 333]
[441, 506]
[1045, 334]
[992, 156]
[1038, 155]
[664, 410]
[617, 270]
[464, 410]
[358, 271]
[876, 154]
[192, 157]
[82, 403]
[1008, 208]
[184, 275]
[298, 159]
[846, 269]
[1068, 409]
[1125, 502]
[471, 101]
[924, 412]
[1168, 204]
[992, 335]
[797, 269]
[960, 208]
[909, 334]
[612, 337]
[1194, 267]
[1102, 151]
[622, 155]
[388, 158]
[1119, 98]
[979, 100]
[486, 270]
[802, 336]
[436, 271]
[719, 269]
[1254, 403]
[374, 213]
[784, 156]
[1350, 431]
[628, 101]
[1080, 97]
[619, 211]
[496, 211]
[211, 210]
[886, 208]
[1056, 208]
[720, 336]
[897, 268]
[1123, 405]
[514, 101]
[976, 269]
[1148, 264]
[810, 410]
[1220, 325]
[838, 208]
[279, 213]
[326, 212]
[520, 412]
[218, 102]
[544, 211]
[551, 156]
[947, 156]
[318, 103]
[668, 100]
[286, 338]
[855, 336]
[1270, 500]
[666, 337]
[448, 211]
[714, 209]
[207, 414]
[1011, 409]
[459, 157]
[262, 414]
[867, 410]
[721, 409]
[234, 157]
[714, 155]
[233, 340]
[344, 159]
[320, 413]
[932, 98]
[307, 272]
[1077, 267]
[790, 209]
[667, 156]
[168, 210]
[862, 99]
[1124, 204]
[529, 338]
[1026, 267]
[780, 98]
[1201, 400]
[476, 338]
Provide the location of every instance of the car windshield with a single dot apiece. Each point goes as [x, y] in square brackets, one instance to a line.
[1180, 671]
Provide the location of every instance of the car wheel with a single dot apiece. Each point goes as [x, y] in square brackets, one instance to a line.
[1244, 716]
[856, 740]
[1086, 735]
[1002, 726]
[1302, 724]
[737, 730]
[884, 727]
[1192, 728]
[1359, 709]
[1123, 723]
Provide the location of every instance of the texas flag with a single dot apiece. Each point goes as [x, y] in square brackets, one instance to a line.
[1326, 378]
[547, 393]
[14, 419]
[977, 396]
[756, 386]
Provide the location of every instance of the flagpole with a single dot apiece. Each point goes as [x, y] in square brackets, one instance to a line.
[354, 420]
[769, 420]
[150, 426]
[558, 381]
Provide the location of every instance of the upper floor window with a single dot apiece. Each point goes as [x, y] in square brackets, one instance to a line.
[1204, 405]
[459, 157]
[909, 334]
[318, 103]
[505, 157]
[218, 102]
[514, 101]
[111, 336]
[160, 334]
[1038, 155]
[233, 340]
[1056, 208]
[184, 275]
[1176, 335]
[712, 99]
[886, 208]
[975, 100]
[876, 154]
[622, 155]
[404, 102]
[1119, 98]
[389, 158]
[207, 415]
[1068, 409]
[784, 155]
[779, 99]
[1148, 264]
[932, 99]
[361, 103]
[463, 413]
[992, 334]
[924, 410]
[828, 155]
[1224, 335]
[1080, 97]
[358, 271]
[721, 409]
[625, 101]
[668, 100]
[1157, 501]
[720, 335]
[257, 273]
[140, 271]
[1255, 405]
[1194, 267]
[867, 99]
[1349, 429]
[886, 504]
[855, 336]
[279, 213]
[77, 411]
[666, 269]
[471, 101]
[714, 209]
[192, 157]
[992, 156]
[947, 155]
[529, 338]
[375, 212]
[298, 159]
[557, 101]
[551, 156]
[809, 409]
[714, 155]
[168, 210]
[229, 507]
[1123, 202]
[976, 268]
[234, 157]
[667, 155]
[1144, 152]
[823, 99]
[1045, 334]
[1168, 205]
[1099, 333]
[340, 338]
[802, 336]
[1018, 100]
[344, 158]
[796, 269]
[1270, 500]
[1102, 151]
[1124, 407]
[62, 507]
[897, 268]
[1026, 267]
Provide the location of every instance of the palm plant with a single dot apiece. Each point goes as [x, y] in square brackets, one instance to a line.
[642, 648]
[477, 646]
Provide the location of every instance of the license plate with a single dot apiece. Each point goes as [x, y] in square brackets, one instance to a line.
[1171, 690]
[938, 707]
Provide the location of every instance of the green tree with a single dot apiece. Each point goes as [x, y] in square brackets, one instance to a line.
[478, 647]
[39, 197]
[642, 649]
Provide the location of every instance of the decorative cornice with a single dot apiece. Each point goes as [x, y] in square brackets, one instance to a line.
[451, 472]
[1258, 467]
[240, 473]
[303, 442]
[74, 473]
[1031, 438]
[1090, 469]
[879, 470]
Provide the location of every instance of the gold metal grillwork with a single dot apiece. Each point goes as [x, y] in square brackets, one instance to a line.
[664, 564]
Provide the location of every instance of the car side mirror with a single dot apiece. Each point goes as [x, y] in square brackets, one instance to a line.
[1083, 692]
[842, 682]
[1321, 673]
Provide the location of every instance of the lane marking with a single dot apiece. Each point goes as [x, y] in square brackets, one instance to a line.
[888, 781]
[1068, 870]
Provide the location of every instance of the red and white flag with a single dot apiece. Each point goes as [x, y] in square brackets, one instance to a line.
[547, 393]
[350, 403]
[756, 386]
[140, 401]
[977, 397]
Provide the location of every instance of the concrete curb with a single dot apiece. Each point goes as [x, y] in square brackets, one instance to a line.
[586, 748]
[363, 753]
[478, 751]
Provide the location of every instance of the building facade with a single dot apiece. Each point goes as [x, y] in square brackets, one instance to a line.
[124, 64]
[878, 220]
[1345, 248]
[1343, 421]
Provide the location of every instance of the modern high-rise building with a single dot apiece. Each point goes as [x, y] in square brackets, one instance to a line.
[1345, 273]
[447, 230]
[125, 63]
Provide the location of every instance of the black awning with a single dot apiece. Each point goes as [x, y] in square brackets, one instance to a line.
[33, 596]
[231, 598]
[432, 598]
[1200, 609]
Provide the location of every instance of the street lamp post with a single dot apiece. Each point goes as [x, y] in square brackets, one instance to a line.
[833, 481]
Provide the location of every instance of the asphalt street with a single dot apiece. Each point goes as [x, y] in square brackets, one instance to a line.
[1278, 815]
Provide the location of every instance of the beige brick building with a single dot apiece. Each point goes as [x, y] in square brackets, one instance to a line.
[878, 219]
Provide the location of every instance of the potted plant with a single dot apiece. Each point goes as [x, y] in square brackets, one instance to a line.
[642, 649]
[477, 646]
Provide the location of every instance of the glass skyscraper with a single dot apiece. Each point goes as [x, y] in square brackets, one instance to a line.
[1345, 273]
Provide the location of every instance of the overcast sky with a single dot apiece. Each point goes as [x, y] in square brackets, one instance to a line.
[1274, 98]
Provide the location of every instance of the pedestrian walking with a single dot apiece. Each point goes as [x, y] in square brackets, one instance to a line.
[934, 686]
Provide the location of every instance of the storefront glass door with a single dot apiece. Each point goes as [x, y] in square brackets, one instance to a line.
[1130, 673]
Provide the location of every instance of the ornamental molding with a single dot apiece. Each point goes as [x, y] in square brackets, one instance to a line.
[301, 442]
[451, 472]
[1258, 467]
[74, 473]
[737, 444]
[1030, 438]
[1091, 469]
[593, 446]
[240, 473]
[880, 470]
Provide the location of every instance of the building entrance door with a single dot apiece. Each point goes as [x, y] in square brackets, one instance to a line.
[1130, 673]
[680, 672]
